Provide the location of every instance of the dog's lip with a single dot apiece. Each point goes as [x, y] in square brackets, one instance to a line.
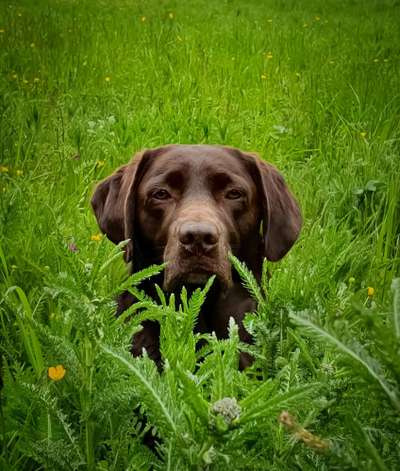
[198, 277]
[196, 264]
[197, 270]
[200, 273]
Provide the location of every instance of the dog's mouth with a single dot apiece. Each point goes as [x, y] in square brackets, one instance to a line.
[196, 277]
[196, 274]
[193, 281]
[185, 268]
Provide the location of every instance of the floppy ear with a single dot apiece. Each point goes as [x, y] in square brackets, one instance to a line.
[108, 204]
[282, 219]
[281, 216]
[113, 201]
[110, 196]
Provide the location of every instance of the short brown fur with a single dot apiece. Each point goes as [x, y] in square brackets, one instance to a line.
[189, 206]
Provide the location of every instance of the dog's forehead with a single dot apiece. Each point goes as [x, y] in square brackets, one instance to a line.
[196, 158]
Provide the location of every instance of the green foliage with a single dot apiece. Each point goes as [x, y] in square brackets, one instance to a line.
[313, 86]
[106, 392]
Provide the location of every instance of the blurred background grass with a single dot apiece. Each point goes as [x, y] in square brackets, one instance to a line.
[313, 86]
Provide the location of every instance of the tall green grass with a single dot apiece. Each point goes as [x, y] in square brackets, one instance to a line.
[313, 86]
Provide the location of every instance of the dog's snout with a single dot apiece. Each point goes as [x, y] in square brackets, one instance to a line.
[198, 237]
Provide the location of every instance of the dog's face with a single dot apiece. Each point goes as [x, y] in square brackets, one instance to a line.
[194, 205]
[190, 205]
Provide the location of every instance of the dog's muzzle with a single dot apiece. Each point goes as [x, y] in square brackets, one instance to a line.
[195, 251]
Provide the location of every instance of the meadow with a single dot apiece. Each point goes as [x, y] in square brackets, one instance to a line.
[313, 87]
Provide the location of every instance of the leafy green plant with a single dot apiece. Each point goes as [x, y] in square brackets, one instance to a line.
[314, 89]
[369, 354]
[202, 410]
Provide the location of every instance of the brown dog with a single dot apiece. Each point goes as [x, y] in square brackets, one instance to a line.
[189, 206]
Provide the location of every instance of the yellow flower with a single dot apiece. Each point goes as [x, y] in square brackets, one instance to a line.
[371, 291]
[143, 19]
[107, 79]
[317, 18]
[263, 77]
[19, 173]
[268, 55]
[363, 134]
[171, 15]
[96, 237]
[56, 372]
[2, 31]
[3, 169]
[100, 163]
[32, 44]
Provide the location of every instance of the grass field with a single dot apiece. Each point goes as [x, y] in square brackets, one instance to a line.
[313, 86]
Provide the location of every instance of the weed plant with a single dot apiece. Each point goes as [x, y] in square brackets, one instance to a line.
[313, 86]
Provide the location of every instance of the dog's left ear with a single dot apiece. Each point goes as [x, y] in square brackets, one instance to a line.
[282, 219]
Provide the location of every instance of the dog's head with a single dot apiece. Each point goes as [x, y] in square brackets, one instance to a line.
[190, 205]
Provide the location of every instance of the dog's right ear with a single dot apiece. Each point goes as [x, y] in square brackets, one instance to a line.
[108, 200]
[114, 199]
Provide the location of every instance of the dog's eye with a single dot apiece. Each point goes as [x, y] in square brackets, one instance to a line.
[233, 194]
[161, 195]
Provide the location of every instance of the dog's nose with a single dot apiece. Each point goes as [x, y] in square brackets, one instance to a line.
[198, 237]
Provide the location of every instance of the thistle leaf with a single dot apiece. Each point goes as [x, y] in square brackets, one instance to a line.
[356, 352]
